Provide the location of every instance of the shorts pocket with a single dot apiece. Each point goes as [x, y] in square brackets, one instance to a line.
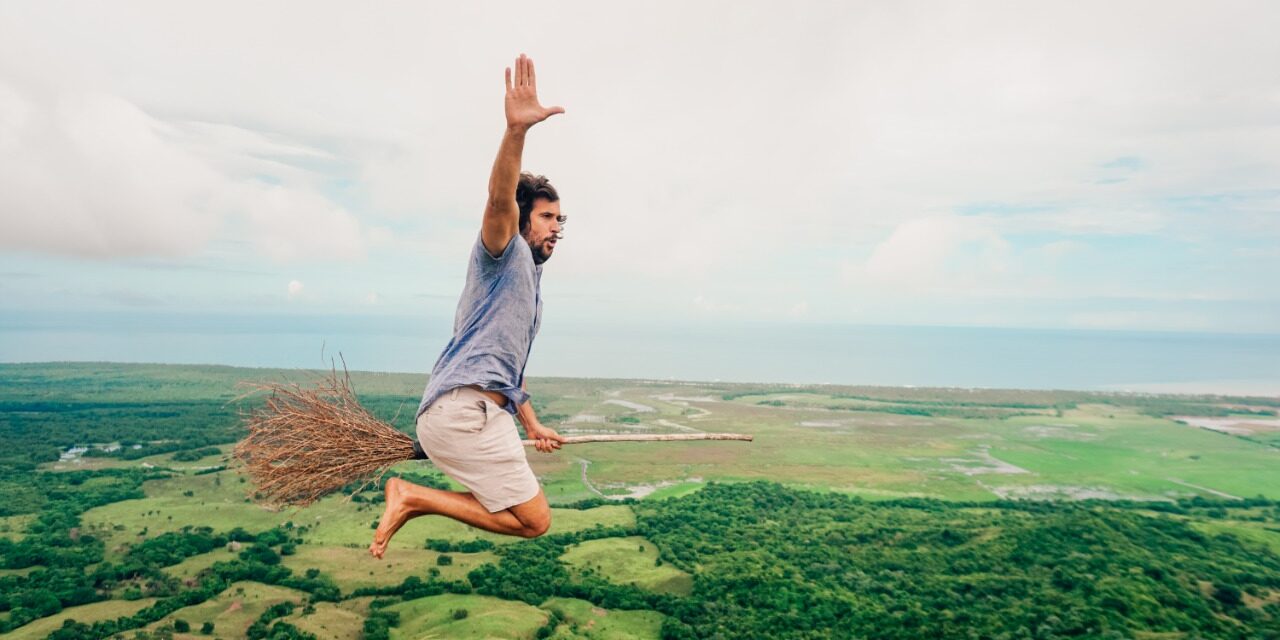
[466, 416]
[491, 409]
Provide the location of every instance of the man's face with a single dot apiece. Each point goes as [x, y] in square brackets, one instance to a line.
[543, 227]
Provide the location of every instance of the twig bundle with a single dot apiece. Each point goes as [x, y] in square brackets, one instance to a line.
[305, 443]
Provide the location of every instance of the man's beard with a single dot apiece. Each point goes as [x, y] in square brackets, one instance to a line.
[539, 256]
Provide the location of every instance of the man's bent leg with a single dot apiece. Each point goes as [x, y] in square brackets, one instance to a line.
[406, 501]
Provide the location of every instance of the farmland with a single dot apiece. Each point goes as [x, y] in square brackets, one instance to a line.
[123, 509]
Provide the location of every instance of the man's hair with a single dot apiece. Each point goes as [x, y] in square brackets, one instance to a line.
[531, 188]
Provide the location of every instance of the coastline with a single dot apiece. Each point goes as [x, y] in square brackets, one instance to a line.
[1244, 387]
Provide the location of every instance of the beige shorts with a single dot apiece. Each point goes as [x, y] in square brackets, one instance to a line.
[475, 442]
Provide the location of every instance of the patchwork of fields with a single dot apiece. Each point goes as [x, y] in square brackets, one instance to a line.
[878, 444]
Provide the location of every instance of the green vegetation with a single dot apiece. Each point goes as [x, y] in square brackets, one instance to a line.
[888, 513]
[435, 616]
[105, 610]
[579, 619]
[630, 560]
[771, 562]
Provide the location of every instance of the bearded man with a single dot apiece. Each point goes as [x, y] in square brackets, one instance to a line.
[465, 421]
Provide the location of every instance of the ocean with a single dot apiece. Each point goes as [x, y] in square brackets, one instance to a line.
[743, 352]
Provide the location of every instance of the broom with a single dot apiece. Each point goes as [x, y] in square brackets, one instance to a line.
[307, 442]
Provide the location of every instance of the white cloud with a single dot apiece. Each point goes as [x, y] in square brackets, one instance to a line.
[92, 175]
[289, 224]
[704, 155]
[936, 251]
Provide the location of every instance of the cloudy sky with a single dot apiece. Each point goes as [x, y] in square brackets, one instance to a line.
[1071, 164]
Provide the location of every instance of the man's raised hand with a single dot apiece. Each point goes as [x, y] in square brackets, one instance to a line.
[523, 110]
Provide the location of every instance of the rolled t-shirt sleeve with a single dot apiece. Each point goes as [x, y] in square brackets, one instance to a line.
[481, 254]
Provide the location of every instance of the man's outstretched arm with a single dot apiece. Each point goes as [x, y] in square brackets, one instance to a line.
[501, 214]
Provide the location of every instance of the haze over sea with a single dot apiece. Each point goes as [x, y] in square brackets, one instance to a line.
[756, 352]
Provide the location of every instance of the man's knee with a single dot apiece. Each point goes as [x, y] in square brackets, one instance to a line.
[536, 528]
[536, 523]
[534, 516]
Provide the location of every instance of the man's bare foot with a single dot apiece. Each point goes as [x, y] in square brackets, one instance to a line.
[393, 516]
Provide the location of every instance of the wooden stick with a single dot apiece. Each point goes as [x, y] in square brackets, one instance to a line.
[651, 437]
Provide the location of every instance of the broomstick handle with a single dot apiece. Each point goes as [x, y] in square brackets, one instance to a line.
[651, 437]
[419, 454]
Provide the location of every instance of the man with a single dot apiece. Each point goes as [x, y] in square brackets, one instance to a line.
[464, 422]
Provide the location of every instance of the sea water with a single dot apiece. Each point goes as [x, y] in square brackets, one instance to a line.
[760, 352]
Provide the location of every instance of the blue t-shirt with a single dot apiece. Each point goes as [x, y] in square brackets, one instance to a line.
[498, 316]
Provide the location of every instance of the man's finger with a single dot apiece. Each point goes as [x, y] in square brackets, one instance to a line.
[533, 75]
[508, 79]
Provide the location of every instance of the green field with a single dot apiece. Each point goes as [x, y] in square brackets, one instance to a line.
[629, 560]
[354, 568]
[85, 613]
[882, 464]
[233, 610]
[486, 617]
[582, 620]
[950, 443]
[341, 621]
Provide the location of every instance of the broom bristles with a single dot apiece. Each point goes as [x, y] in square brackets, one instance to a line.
[307, 442]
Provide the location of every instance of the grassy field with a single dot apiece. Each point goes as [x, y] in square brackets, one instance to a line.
[353, 568]
[949, 443]
[487, 618]
[232, 611]
[191, 567]
[331, 621]
[582, 620]
[11, 526]
[629, 560]
[105, 610]
[878, 443]
[869, 448]
[218, 500]
[1262, 533]
[433, 617]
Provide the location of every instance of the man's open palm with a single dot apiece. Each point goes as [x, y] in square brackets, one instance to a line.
[522, 105]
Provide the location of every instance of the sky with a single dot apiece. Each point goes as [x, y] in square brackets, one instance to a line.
[1091, 165]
